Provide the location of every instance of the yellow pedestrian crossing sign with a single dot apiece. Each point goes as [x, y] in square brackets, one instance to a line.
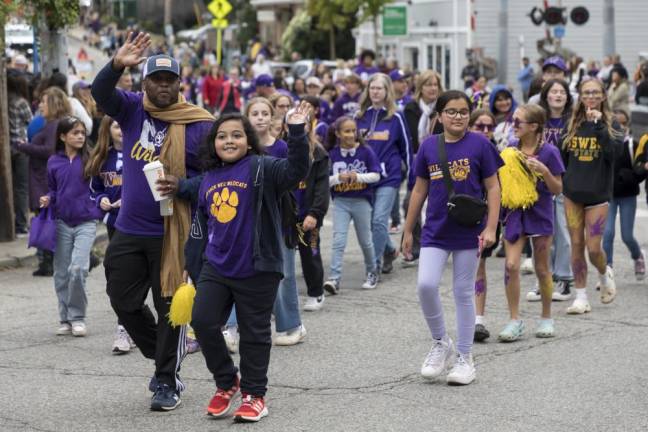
[219, 8]
[220, 23]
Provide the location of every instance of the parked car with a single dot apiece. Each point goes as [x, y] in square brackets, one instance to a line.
[306, 68]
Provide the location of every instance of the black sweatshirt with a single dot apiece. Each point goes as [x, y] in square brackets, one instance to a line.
[589, 159]
[629, 169]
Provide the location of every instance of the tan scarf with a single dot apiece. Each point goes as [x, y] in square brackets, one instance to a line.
[172, 156]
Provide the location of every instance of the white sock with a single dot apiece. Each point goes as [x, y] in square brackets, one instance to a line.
[479, 319]
[581, 293]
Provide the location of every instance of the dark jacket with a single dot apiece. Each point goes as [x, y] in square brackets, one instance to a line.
[271, 177]
[39, 151]
[413, 113]
[629, 169]
[316, 194]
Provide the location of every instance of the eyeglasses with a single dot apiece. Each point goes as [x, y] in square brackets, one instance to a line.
[517, 122]
[282, 106]
[484, 127]
[592, 93]
[453, 113]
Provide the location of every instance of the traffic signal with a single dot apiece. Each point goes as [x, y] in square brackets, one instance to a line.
[579, 15]
[554, 16]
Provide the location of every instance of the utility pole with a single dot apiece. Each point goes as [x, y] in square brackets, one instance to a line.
[502, 37]
[609, 32]
[7, 216]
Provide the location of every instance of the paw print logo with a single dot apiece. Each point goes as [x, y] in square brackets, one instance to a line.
[224, 205]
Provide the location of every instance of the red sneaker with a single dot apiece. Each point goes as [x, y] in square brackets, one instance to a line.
[221, 403]
[252, 409]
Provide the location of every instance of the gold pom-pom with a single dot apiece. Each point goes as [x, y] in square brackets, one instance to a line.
[181, 305]
[518, 182]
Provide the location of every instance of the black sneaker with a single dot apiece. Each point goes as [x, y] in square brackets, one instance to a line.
[153, 383]
[332, 286]
[45, 271]
[481, 333]
[388, 261]
[562, 290]
[165, 398]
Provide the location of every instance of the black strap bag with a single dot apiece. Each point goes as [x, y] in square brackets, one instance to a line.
[464, 209]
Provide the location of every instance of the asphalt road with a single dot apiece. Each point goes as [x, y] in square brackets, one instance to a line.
[357, 369]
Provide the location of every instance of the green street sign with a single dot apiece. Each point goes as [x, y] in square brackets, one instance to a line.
[394, 21]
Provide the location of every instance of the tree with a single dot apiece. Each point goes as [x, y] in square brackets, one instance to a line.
[371, 10]
[331, 15]
[52, 17]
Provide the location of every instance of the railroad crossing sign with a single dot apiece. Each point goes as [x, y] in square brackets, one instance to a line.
[219, 8]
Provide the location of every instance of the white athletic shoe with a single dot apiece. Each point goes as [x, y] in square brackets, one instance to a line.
[121, 342]
[579, 307]
[439, 359]
[313, 304]
[231, 339]
[608, 288]
[463, 372]
[527, 267]
[292, 337]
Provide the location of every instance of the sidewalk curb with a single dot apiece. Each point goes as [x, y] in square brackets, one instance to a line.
[11, 262]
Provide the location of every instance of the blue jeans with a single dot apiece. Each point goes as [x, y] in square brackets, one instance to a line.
[382, 206]
[286, 306]
[561, 247]
[345, 210]
[71, 264]
[627, 206]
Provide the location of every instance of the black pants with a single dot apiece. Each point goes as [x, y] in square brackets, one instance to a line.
[20, 181]
[254, 298]
[311, 261]
[132, 267]
[416, 232]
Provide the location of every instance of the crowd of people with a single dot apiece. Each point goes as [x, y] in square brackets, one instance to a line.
[251, 169]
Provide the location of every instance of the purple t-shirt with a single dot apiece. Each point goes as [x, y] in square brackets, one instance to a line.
[361, 160]
[143, 136]
[553, 130]
[226, 197]
[471, 160]
[537, 220]
[278, 149]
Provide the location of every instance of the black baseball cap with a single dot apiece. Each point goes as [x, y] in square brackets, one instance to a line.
[159, 63]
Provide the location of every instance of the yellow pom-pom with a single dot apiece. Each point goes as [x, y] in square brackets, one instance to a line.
[181, 305]
[518, 182]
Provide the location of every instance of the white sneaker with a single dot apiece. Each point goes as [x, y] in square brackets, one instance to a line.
[534, 296]
[313, 304]
[121, 341]
[292, 337]
[579, 307]
[371, 282]
[608, 287]
[64, 329]
[231, 339]
[463, 371]
[79, 329]
[439, 359]
[527, 267]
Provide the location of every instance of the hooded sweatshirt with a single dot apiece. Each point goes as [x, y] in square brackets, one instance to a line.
[503, 134]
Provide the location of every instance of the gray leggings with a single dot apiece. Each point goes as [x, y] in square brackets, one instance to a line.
[464, 270]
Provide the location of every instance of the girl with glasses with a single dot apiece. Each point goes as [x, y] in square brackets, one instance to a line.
[588, 152]
[473, 163]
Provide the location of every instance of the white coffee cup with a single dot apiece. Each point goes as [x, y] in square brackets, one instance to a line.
[153, 172]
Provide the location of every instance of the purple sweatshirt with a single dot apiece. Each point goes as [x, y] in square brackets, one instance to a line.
[68, 191]
[345, 105]
[391, 142]
[108, 183]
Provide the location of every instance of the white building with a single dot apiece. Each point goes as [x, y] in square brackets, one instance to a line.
[440, 32]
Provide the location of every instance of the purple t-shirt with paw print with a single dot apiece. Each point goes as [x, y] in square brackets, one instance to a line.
[470, 160]
[226, 198]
